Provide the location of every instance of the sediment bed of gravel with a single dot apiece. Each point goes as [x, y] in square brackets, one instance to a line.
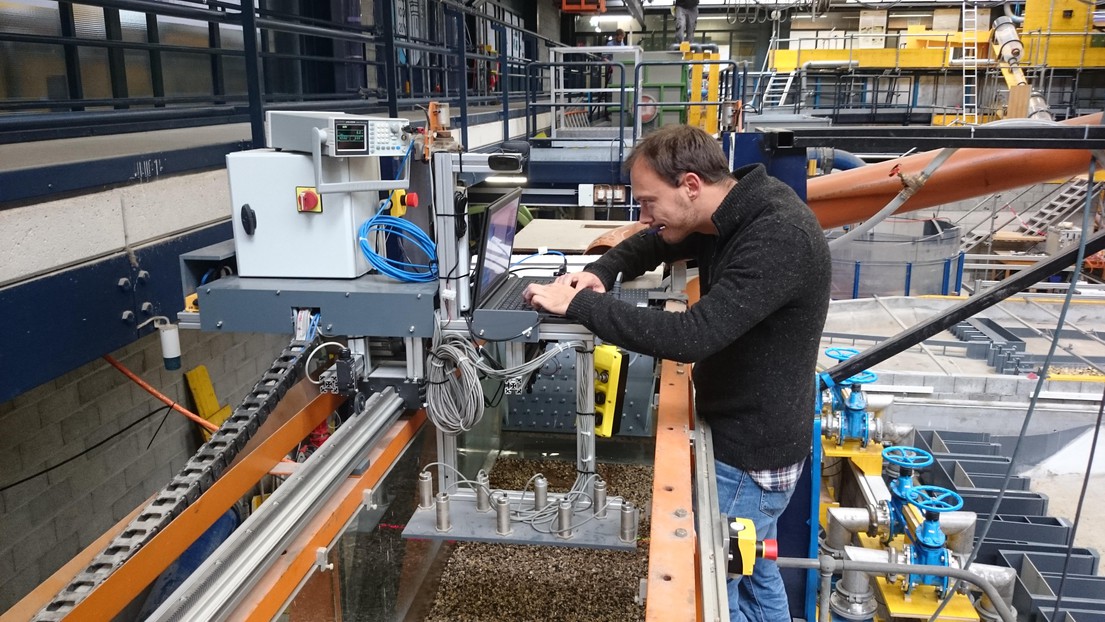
[492, 582]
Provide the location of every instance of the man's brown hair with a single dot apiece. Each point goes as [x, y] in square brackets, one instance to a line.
[674, 150]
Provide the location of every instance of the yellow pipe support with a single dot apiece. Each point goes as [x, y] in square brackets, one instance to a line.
[712, 94]
[694, 114]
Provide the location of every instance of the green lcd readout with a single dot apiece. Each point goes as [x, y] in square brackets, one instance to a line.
[350, 138]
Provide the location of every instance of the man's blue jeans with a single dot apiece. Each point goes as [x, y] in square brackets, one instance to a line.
[760, 597]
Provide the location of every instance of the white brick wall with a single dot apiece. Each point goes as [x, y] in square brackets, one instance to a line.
[44, 522]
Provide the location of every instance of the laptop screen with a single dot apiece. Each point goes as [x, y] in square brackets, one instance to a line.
[493, 264]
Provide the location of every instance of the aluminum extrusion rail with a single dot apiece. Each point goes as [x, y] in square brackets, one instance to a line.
[197, 475]
[1013, 285]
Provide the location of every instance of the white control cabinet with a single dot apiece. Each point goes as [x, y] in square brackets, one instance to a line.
[275, 236]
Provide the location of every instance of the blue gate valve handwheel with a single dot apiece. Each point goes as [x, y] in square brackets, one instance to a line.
[934, 498]
[863, 377]
[909, 457]
[841, 354]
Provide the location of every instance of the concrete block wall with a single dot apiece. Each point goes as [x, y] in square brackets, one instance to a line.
[48, 519]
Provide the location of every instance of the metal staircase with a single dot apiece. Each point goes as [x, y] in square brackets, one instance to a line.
[778, 89]
[1070, 198]
[970, 64]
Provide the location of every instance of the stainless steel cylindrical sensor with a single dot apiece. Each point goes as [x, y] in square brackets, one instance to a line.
[564, 519]
[425, 490]
[540, 492]
[628, 531]
[483, 493]
[443, 523]
[502, 515]
[599, 505]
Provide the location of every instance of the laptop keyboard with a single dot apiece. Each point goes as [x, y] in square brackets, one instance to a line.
[512, 297]
[513, 300]
[634, 296]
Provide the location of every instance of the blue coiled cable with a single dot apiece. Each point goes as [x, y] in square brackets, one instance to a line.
[407, 232]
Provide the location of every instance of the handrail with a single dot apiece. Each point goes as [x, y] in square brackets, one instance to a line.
[437, 80]
[373, 70]
[732, 64]
[531, 106]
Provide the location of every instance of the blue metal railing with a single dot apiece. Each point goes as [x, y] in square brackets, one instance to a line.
[189, 65]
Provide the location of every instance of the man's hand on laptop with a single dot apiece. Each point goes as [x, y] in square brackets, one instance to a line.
[582, 280]
[553, 298]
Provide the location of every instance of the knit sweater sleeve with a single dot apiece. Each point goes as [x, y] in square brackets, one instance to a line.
[761, 275]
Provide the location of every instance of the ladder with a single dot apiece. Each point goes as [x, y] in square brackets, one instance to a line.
[778, 89]
[970, 64]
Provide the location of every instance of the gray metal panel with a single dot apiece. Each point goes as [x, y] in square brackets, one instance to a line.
[1032, 529]
[470, 525]
[369, 305]
[550, 407]
[194, 264]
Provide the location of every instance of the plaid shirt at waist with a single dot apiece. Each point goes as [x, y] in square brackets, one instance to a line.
[778, 480]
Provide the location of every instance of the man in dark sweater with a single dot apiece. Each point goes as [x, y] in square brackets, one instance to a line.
[764, 272]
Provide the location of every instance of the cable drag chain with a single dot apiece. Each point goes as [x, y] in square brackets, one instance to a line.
[194, 478]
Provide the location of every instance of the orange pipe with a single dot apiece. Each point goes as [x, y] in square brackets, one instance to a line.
[854, 195]
[154, 392]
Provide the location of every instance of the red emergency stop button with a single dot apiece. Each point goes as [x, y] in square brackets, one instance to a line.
[769, 549]
[308, 200]
[411, 200]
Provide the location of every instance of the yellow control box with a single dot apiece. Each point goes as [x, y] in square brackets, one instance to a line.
[611, 371]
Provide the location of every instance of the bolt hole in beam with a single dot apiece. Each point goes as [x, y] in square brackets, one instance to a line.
[668, 488]
[666, 577]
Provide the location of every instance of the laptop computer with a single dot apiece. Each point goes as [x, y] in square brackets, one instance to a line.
[499, 310]
[495, 287]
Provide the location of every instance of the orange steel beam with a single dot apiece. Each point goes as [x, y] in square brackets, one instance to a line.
[280, 582]
[119, 589]
[854, 195]
[672, 575]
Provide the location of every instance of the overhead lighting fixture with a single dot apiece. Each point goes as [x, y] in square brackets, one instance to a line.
[507, 179]
[609, 18]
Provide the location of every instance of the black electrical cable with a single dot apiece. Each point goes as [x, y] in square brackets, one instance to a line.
[87, 450]
[163, 420]
[496, 397]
